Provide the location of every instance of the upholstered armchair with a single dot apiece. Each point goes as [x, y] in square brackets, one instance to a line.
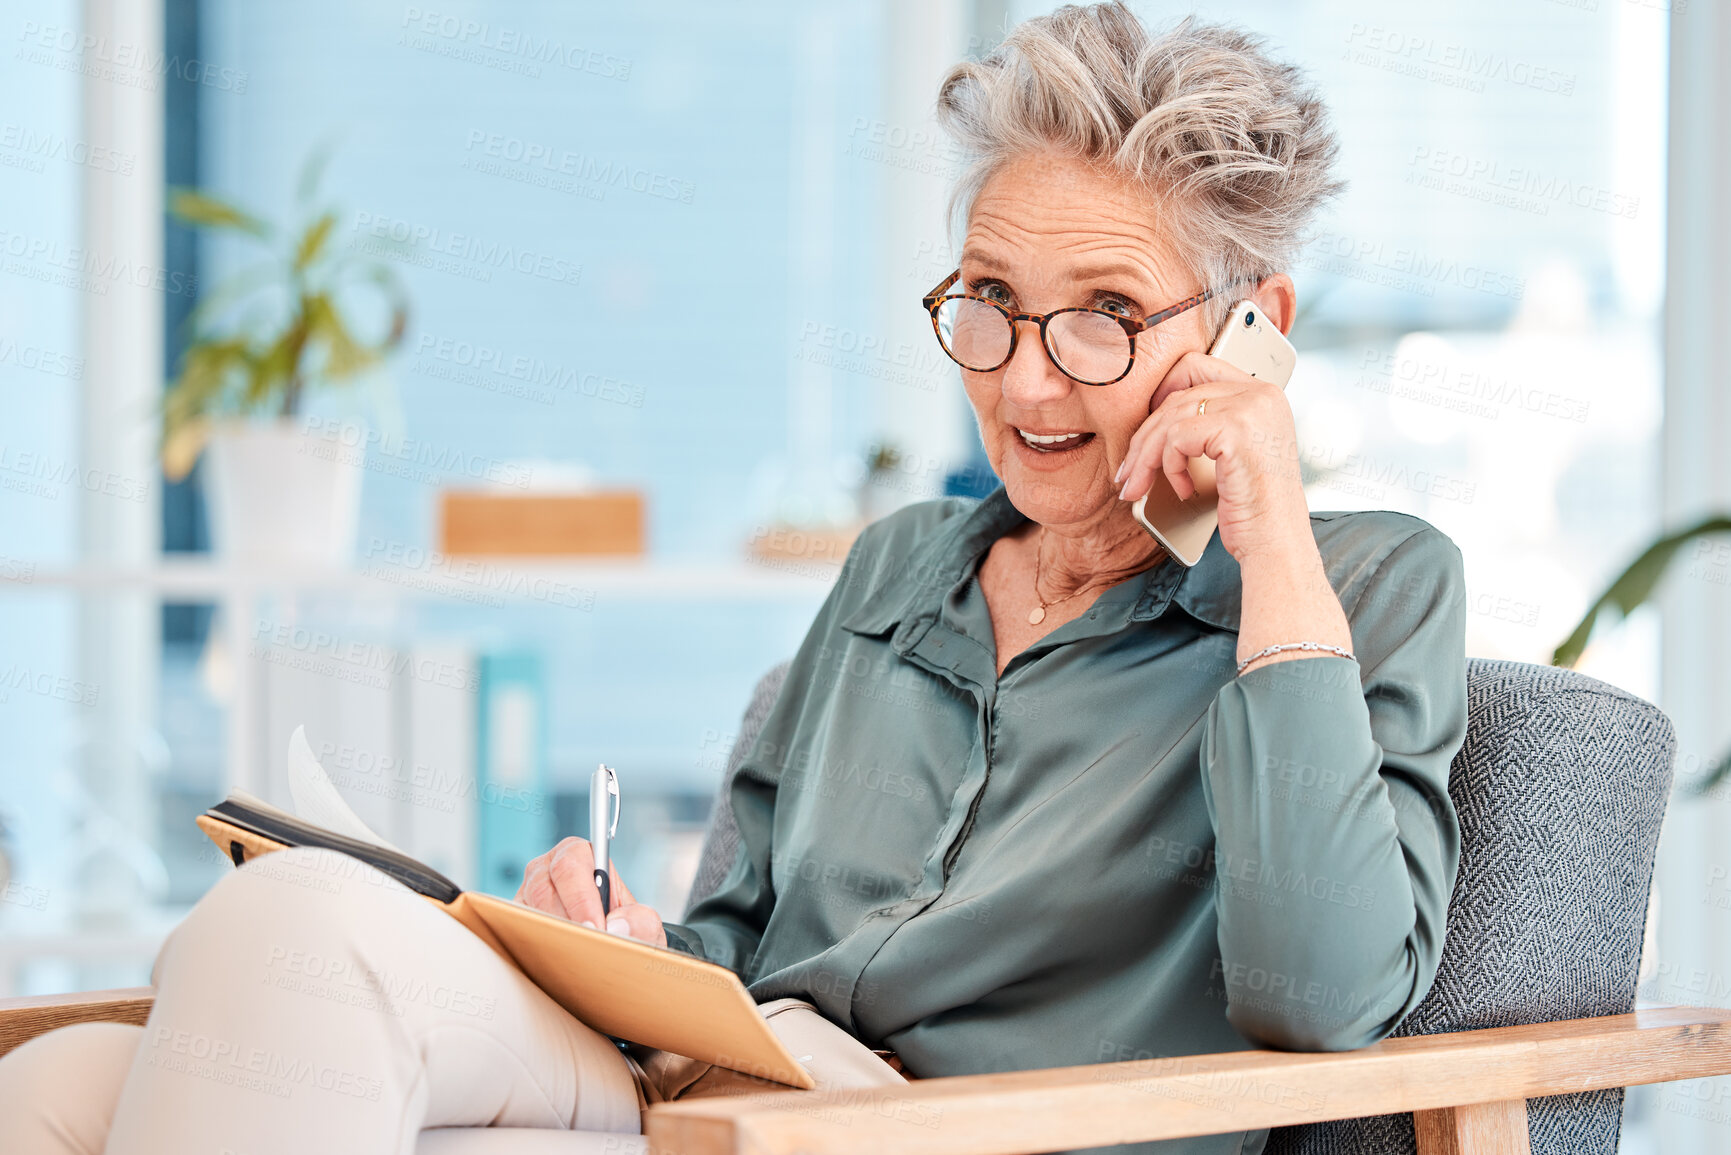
[1524, 1043]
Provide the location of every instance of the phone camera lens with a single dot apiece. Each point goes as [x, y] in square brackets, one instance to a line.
[1249, 320]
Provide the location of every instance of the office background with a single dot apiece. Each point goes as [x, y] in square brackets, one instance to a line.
[678, 248]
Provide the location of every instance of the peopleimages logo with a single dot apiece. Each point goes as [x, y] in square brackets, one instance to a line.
[22, 679]
[471, 39]
[1422, 378]
[365, 663]
[1481, 177]
[532, 378]
[252, 1068]
[1396, 266]
[119, 61]
[42, 259]
[848, 350]
[364, 771]
[347, 443]
[462, 253]
[41, 474]
[1450, 63]
[41, 360]
[474, 574]
[39, 146]
[581, 167]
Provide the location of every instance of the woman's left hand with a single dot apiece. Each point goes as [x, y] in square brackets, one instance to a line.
[1246, 429]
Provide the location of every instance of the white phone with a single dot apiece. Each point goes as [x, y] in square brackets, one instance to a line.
[1247, 341]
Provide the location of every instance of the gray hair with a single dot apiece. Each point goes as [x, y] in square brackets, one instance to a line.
[1235, 147]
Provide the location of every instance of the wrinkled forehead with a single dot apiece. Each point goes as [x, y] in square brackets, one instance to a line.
[1045, 222]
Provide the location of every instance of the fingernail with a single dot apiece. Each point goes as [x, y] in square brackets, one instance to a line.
[1125, 488]
[1119, 476]
[588, 924]
[619, 926]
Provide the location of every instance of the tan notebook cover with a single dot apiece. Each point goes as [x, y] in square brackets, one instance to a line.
[621, 987]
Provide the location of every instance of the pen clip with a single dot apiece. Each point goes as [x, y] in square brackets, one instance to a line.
[613, 800]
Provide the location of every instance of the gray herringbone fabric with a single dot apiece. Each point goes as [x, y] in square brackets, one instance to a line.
[721, 840]
[1561, 786]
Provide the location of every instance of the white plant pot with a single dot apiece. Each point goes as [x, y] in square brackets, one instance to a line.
[280, 495]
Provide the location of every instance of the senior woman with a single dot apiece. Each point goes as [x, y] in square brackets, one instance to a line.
[1033, 794]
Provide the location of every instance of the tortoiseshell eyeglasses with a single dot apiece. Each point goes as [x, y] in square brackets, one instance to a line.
[1090, 346]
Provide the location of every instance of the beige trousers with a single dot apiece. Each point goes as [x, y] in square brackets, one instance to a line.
[311, 1004]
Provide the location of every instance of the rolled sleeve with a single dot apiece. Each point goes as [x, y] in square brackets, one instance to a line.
[1336, 844]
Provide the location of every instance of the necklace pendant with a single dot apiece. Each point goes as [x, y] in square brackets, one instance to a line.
[1036, 615]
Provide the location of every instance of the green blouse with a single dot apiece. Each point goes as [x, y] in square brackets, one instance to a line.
[1117, 849]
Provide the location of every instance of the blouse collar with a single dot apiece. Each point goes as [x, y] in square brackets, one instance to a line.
[915, 589]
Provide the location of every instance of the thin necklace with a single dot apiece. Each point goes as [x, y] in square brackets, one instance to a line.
[1038, 614]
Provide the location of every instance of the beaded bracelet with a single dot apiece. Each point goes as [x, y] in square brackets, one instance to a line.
[1263, 653]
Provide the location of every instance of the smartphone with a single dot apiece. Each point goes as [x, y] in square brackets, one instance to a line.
[1247, 341]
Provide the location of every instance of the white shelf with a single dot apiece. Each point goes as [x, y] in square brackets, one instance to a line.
[481, 582]
[466, 580]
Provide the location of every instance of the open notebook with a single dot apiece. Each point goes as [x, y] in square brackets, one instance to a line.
[622, 987]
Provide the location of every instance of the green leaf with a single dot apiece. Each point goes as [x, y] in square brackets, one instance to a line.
[1635, 585]
[206, 371]
[211, 212]
[274, 372]
[265, 336]
[313, 241]
[344, 356]
[1721, 770]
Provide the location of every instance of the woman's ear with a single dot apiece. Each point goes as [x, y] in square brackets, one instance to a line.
[1278, 300]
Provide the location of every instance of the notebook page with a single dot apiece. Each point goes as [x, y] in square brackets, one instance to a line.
[316, 799]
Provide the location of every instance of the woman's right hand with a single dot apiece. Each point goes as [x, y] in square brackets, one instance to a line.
[562, 883]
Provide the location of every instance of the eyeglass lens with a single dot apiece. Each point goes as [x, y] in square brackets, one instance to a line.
[1089, 346]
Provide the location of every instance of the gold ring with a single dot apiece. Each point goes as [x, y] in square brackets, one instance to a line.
[1201, 406]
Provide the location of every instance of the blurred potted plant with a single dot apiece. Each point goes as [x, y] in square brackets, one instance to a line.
[260, 344]
[1630, 589]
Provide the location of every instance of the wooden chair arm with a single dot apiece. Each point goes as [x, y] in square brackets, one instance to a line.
[1468, 1090]
[23, 1019]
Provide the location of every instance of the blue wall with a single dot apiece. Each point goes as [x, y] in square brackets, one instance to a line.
[654, 220]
